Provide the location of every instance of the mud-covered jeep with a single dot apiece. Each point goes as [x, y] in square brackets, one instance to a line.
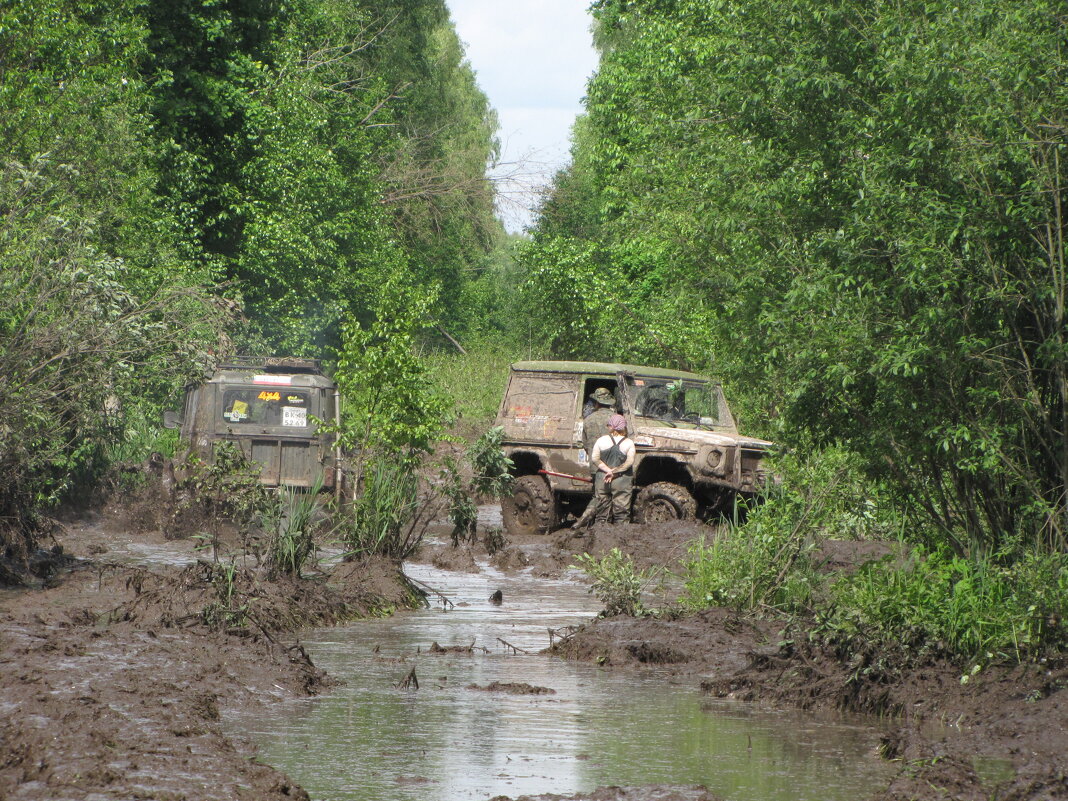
[267, 407]
[690, 460]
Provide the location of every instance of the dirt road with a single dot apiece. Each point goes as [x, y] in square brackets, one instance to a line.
[113, 687]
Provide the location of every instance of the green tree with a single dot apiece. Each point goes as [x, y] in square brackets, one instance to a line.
[854, 213]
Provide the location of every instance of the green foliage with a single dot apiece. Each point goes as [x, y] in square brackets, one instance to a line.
[291, 537]
[616, 582]
[83, 358]
[978, 609]
[473, 382]
[764, 563]
[490, 475]
[1004, 606]
[491, 468]
[386, 517]
[854, 214]
[390, 405]
[228, 490]
[308, 149]
[463, 512]
[764, 568]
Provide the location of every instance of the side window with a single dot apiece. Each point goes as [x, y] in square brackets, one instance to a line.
[596, 390]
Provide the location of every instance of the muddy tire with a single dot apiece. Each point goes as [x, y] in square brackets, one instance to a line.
[531, 509]
[664, 501]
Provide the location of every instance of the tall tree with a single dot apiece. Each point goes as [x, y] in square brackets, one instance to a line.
[857, 210]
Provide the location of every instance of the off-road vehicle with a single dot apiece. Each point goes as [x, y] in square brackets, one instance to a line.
[690, 460]
[267, 407]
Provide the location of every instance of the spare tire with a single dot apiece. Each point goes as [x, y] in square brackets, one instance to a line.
[664, 501]
[531, 509]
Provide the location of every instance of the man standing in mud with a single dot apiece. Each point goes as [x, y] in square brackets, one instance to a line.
[613, 458]
[599, 408]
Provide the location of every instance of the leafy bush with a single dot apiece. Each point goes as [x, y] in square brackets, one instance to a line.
[229, 490]
[463, 512]
[616, 582]
[391, 406]
[973, 608]
[492, 469]
[80, 351]
[490, 476]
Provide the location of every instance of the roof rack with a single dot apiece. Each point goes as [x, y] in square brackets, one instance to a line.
[273, 364]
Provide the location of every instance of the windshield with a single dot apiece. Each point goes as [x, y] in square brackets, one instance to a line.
[678, 401]
[266, 407]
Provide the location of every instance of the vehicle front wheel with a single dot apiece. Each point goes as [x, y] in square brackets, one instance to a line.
[531, 509]
[664, 501]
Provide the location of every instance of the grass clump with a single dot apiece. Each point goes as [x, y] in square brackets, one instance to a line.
[291, 534]
[474, 382]
[387, 517]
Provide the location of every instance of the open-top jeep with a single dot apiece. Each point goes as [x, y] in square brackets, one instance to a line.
[690, 460]
[267, 407]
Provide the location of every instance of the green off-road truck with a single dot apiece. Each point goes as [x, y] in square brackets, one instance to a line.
[690, 461]
[267, 407]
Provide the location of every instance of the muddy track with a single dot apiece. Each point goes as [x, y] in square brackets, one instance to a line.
[1003, 734]
[114, 687]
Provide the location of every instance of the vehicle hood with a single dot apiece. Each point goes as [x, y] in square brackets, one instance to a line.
[691, 439]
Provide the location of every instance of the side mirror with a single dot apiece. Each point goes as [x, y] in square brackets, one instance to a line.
[172, 420]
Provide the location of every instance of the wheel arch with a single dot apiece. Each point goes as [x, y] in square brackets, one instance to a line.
[526, 463]
[653, 469]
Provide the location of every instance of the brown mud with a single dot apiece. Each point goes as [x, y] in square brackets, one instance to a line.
[626, 794]
[113, 686]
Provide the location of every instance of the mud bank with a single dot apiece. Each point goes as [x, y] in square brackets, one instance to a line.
[113, 686]
[1003, 734]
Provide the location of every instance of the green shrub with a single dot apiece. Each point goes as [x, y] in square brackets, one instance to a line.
[616, 582]
[229, 490]
[973, 608]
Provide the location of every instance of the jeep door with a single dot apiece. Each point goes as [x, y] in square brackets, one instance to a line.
[542, 410]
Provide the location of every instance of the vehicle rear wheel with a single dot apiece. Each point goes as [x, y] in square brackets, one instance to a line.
[531, 509]
[664, 501]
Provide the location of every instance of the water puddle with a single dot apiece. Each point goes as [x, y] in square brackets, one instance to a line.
[370, 739]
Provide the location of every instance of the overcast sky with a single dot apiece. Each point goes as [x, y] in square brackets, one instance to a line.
[532, 59]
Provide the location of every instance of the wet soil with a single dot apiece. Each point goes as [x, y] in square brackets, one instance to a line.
[1002, 734]
[113, 686]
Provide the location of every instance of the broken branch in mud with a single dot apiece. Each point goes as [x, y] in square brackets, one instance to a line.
[410, 681]
[565, 633]
[446, 604]
[515, 649]
[456, 649]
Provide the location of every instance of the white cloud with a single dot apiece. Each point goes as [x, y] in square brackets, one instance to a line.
[532, 59]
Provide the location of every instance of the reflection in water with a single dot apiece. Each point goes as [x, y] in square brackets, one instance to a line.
[371, 740]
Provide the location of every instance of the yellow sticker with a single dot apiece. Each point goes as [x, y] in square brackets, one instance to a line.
[270, 396]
